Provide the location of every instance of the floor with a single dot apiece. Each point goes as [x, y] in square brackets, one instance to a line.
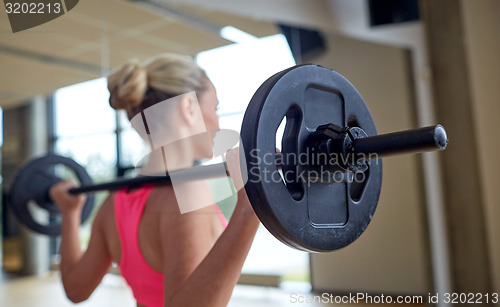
[46, 291]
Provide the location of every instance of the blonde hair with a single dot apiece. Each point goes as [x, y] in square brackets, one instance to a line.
[134, 87]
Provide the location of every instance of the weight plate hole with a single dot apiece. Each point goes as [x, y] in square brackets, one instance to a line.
[359, 181]
[279, 133]
[352, 121]
[39, 215]
[290, 152]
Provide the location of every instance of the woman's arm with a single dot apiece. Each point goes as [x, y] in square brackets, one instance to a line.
[197, 274]
[80, 272]
[211, 283]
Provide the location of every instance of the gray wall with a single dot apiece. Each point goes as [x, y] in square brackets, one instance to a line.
[481, 26]
[25, 136]
[391, 257]
[13, 154]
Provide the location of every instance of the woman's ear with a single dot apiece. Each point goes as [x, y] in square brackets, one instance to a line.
[187, 109]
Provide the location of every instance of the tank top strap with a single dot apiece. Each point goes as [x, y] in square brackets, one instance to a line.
[129, 207]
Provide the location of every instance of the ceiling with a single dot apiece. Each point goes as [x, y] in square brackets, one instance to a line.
[97, 35]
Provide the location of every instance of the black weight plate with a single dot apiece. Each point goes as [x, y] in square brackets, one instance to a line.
[32, 182]
[305, 215]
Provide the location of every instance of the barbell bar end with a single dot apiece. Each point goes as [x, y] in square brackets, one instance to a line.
[423, 139]
[440, 137]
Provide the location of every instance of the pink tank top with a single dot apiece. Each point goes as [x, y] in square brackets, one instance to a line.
[146, 283]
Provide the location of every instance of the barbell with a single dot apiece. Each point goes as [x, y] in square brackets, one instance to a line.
[319, 193]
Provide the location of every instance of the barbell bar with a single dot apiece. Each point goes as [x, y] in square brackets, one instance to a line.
[303, 213]
[200, 172]
[423, 139]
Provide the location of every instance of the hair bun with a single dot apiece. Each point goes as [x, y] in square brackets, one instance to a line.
[127, 86]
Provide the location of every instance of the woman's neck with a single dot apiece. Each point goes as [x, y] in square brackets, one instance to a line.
[168, 159]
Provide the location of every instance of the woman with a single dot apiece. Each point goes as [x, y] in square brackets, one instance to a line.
[168, 258]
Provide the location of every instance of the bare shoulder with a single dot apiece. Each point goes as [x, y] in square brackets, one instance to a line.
[105, 226]
[104, 221]
[185, 209]
[162, 201]
[187, 236]
[106, 212]
[182, 198]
